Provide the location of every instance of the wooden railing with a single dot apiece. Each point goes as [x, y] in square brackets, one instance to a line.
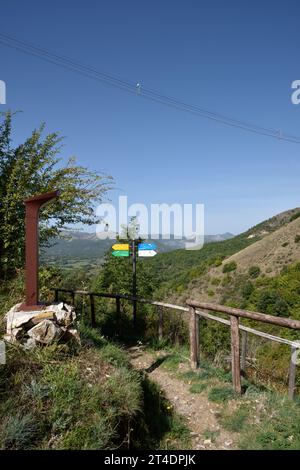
[199, 309]
[235, 314]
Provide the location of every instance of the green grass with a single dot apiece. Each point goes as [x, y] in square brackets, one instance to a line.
[237, 420]
[55, 398]
[198, 387]
[212, 435]
[221, 394]
[278, 426]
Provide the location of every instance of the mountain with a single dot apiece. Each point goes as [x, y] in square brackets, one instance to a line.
[85, 249]
[270, 244]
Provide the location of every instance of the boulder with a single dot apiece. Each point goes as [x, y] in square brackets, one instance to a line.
[17, 319]
[64, 314]
[46, 332]
[51, 324]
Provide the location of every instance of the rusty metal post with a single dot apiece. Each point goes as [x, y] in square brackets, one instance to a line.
[32, 208]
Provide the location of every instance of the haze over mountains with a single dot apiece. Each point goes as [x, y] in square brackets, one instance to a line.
[85, 247]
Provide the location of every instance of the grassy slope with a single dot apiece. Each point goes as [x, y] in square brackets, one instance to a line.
[177, 269]
[54, 398]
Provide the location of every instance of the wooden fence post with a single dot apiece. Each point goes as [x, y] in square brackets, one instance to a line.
[73, 298]
[118, 313]
[244, 350]
[235, 354]
[160, 322]
[193, 338]
[292, 372]
[93, 317]
[55, 295]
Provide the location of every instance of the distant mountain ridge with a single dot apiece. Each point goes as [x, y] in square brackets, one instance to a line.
[86, 247]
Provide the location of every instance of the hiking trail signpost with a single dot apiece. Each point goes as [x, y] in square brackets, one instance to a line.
[135, 249]
[32, 208]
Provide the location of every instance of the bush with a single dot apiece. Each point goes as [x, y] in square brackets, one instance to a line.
[273, 304]
[254, 271]
[297, 239]
[228, 267]
[247, 289]
[218, 262]
[295, 216]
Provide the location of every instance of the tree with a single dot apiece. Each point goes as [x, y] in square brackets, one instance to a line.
[116, 273]
[35, 167]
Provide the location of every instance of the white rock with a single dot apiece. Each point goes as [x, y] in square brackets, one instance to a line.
[46, 332]
[72, 335]
[30, 343]
[64, 317]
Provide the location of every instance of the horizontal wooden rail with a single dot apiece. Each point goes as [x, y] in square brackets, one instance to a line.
[237, 312]
[276, 339]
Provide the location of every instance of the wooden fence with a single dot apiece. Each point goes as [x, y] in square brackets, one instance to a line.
[196, 310]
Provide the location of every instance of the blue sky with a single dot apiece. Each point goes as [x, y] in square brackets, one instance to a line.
[236, 57]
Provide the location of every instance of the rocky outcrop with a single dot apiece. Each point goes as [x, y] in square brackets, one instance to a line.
[52, 324]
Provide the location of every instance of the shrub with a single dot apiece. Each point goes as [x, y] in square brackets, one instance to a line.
[18, 432]
[215, 281]
[295, 216]
[297, 238]
[285, 244]
[218, 262]
[228, 267]
[247, 289]
[210, 293]
[273, 304]
[254, 271]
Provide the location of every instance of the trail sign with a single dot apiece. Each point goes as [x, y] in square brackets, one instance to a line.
[120, 246]
[32, 208]
[147, 253]
[147, 246]
[120, 253]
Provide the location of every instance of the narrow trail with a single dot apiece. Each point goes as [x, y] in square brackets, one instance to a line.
[200, 414]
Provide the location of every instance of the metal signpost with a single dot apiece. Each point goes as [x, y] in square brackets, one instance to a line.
[32, 208]
[134, 249]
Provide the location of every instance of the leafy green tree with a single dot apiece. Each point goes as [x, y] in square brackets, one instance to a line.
[35, 167]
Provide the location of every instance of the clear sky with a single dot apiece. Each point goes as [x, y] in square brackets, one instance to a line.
[237, 58]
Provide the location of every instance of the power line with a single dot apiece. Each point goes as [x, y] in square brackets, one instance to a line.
[137, 89]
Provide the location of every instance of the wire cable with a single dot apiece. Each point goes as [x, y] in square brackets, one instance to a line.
[139, 90]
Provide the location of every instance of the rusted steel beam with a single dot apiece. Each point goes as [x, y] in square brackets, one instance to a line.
[32, 208]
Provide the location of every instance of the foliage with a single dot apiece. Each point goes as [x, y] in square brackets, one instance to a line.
[254, 271]
[295, 216]
[221, 394]
[228, 267]
[273, 304]
[34, 167]
[280, 430]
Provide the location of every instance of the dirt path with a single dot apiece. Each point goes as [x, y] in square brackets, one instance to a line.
[200, 414]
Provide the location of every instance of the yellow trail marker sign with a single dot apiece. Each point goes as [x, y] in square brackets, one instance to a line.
[120, 246]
